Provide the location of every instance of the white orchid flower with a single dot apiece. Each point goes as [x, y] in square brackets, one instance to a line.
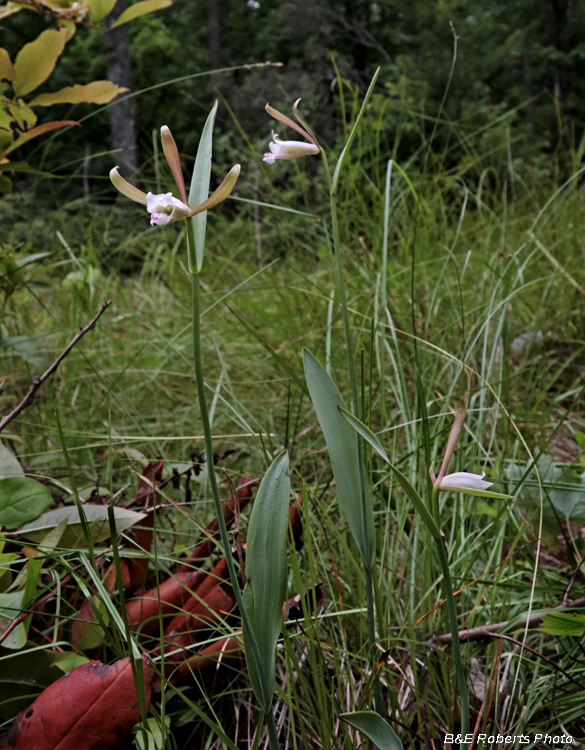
[280, 149]
[164, 207]
[463, 480]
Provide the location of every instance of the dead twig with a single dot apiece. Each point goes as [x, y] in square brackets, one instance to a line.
[40, 379]
[488, 631]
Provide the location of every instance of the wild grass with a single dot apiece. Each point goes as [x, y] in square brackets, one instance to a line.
[480, 290]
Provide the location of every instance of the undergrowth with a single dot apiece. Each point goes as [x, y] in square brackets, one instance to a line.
[483, 295]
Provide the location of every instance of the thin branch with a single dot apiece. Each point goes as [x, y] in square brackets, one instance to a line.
[488, 631]
[40, 379]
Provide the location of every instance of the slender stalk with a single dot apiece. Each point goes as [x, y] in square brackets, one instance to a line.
[341, 293]
[454, 628]
[266, 699]
[272, 732]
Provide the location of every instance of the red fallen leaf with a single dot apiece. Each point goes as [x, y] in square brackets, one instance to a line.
[111, 582]
[219, 573]
[230, 649]
[82, 624]
[172, 594]
[138, 566]
[205, 615]
[246, 485]
[85, 620]
[94, 707]
[296, 523]
[202, 665]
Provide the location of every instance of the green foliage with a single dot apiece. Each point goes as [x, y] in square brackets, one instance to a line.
[34, 63]
[266, 571]
[489, 312]
[342, 447]
[199, 191]
[21, 500]
[374, 728]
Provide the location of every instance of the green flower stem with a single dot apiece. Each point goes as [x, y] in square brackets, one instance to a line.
[342, 296]
[195, 287]
[454, 627]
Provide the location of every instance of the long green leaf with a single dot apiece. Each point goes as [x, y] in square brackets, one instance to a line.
[140, 9]
[375, 728]
[413, 495]
[266, 571]
[199, 190]
[345, 152]
[342, 444]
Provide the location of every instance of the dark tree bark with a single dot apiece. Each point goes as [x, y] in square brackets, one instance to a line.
[214, 33]
[123, 113]
[527, 69]
[359, 50]
[560, 40]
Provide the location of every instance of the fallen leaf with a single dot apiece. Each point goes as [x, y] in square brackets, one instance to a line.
[93, 707]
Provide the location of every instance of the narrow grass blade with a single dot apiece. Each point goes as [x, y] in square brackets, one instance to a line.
[375, 728]
[342, 444]
[266, 571]
[345, 152]
[200, 190]
[277, 358]
[412, 494]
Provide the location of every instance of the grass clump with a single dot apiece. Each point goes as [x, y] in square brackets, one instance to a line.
[460, 281]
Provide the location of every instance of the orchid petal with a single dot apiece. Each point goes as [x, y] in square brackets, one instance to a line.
[124, 187]
[290, 123]
[171, 153]
[220, 193]
[463, 480]
[290, 149]
[303, 123]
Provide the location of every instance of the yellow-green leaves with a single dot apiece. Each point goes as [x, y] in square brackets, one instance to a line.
[96, 92]
[36, 60]
[99, 9]
[6, 66]
[139, 9]
[39, 130]
[265, 592]
[342, 444]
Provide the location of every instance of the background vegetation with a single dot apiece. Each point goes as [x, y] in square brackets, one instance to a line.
[484, 293]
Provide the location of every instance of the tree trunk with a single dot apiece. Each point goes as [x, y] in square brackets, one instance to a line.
[122, 113]
[527, 67]
[214, 33]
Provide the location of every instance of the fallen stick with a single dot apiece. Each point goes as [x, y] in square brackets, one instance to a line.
[40, 379]
[488, 631]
